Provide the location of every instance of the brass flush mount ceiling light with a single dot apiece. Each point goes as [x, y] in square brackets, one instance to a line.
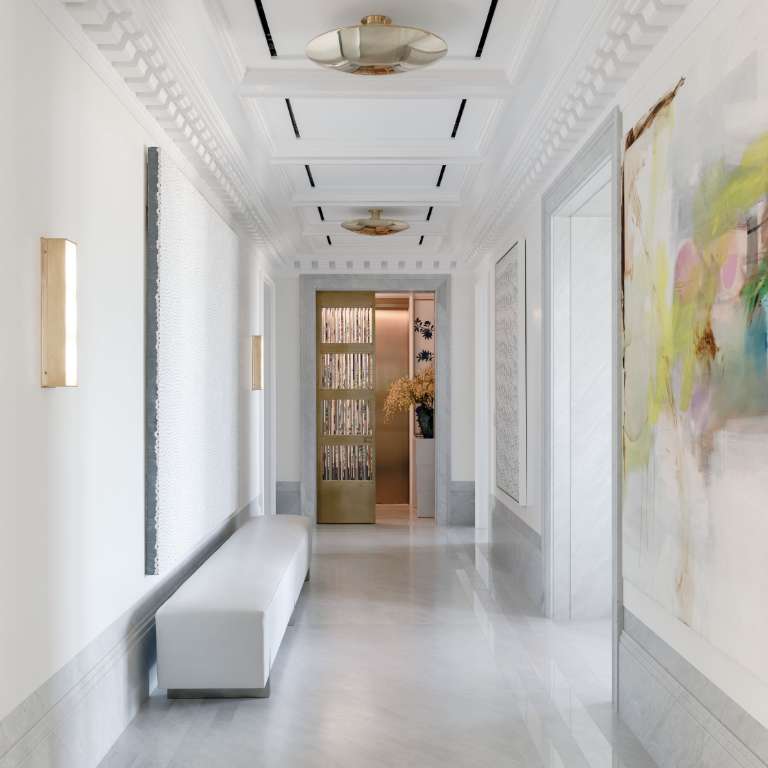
[376, 47]
[375, 225]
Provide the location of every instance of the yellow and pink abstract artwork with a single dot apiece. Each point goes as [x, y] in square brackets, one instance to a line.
[695, 396]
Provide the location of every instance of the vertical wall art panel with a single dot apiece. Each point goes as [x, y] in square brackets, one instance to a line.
[695, 414]
[510, 373]
[192, 366]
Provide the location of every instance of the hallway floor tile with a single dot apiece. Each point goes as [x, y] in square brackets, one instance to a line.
[408, 650]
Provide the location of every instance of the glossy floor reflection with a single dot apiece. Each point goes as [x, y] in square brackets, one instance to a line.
[408, 650]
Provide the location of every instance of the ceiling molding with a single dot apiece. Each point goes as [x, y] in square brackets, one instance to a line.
[433, 83]
[345, 263]
[534, 26]
[130, 35]
[372, 198]
[632, 30]
[335, 251]
[489, 128]
[229, 54]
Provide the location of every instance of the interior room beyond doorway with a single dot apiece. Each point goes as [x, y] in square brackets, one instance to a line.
[405, 346]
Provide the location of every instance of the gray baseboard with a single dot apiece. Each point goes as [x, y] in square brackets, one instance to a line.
[74, 718]
[680, 717]
[288, 497]
[461, 502]
[515, 551]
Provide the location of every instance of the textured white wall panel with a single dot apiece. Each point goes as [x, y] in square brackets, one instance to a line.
[509, 401]
[197, 368]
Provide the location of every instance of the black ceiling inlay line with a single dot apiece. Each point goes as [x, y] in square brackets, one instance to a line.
[421, 240]
[328, 238]
[458, 118]
[429, 212]
[309, 176]
[488, 20]
[293, 118]
[265, 28]
[440, 177]
[320, 211]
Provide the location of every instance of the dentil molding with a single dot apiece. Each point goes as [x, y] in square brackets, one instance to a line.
[130, 35]
[567, 111]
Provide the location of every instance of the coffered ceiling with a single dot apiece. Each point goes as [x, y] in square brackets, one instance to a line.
[294, 149]
[407, 144]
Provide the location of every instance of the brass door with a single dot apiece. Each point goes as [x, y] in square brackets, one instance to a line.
[392, 438]
[346, 407]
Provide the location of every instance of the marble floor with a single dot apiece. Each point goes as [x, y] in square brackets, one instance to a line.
[409, 649]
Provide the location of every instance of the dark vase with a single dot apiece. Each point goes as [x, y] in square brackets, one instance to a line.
[426, 417]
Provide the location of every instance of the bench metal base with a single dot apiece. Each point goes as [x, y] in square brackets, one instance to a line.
[219, 693]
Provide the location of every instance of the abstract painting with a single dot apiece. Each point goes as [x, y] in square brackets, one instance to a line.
[695, 400]
[510, 373]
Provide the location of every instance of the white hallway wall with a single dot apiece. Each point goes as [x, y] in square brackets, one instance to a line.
[71, 460]
[289, 435]
[694, 36]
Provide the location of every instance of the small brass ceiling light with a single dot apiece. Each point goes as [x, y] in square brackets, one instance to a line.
[375, 225]
[376, 46]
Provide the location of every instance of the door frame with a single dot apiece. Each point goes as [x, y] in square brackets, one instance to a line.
[269, 331]
[309, 285]
[603, 147]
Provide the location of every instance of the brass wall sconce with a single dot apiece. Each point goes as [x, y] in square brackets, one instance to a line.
[59, 312]
[257, 369]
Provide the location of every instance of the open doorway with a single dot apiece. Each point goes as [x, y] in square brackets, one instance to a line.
[405, 462]
[582, 419]
[581, 402]
[376, 369]
[322, 358]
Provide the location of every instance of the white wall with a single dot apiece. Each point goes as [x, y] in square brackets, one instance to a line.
[462, 377]
[288, 355]
[71, 460]
[527, 229]
[692, 39]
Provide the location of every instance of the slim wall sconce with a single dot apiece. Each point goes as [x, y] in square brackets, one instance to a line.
[257, 378]
[59, 312]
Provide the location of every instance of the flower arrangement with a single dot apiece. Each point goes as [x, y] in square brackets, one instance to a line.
[425, 328]
[418, 391]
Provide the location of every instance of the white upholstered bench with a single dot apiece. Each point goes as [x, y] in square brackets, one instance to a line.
[219, 633]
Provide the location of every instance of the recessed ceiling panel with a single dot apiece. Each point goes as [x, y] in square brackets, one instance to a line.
[388, 177]
[375, 120]
[293, 24]
[361, 125]
[389, 243]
